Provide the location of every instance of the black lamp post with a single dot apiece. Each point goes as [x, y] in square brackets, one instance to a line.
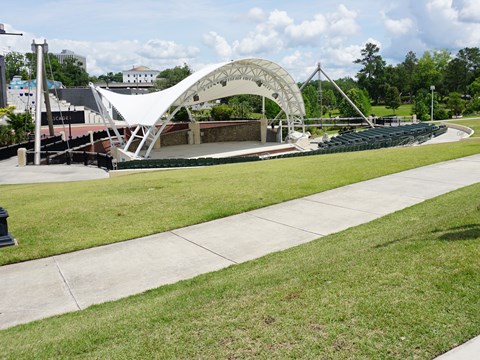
[6, 238]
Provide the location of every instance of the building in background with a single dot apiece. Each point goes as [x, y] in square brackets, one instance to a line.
[65, 54]
[140, 75]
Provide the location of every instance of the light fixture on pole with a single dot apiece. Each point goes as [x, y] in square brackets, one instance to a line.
[432, 88]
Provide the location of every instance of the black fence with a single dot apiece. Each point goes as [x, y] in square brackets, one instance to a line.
[58, 151]
[170, 163]
[100, 160]
[51, 144]
[11, 150]
[76, 142]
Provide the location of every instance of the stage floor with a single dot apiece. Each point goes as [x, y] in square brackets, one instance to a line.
[220, 150]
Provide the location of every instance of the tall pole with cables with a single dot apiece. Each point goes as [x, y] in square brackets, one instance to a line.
[40, 49]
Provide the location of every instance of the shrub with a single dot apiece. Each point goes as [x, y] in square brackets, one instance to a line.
[221, 112]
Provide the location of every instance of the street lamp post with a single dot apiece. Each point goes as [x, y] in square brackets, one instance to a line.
[432, 88]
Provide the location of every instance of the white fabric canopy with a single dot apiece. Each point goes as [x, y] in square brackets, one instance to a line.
[245, 76]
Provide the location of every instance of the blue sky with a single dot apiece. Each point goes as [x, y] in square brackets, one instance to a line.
[116, 35]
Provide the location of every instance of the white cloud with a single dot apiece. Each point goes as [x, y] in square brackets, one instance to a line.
[299, 64]
[279, 19]
[307, 30]
[343, 22]
[258, 43]
[256, 14]
[399, 26]
[163, 49]
[469, 10]
[434, 24]
[278, 32]
[103, 57]
[344, 56]
[219, 43]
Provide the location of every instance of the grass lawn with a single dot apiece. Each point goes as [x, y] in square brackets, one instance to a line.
[403, 110]
[406, 286]
[471, 123]
[55, 218]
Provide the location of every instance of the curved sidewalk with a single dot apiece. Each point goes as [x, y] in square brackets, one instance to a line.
[40, 288]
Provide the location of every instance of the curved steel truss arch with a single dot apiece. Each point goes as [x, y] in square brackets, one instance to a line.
[248, 76]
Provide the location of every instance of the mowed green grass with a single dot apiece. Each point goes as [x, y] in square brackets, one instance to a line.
[403, 110]
[471, 123]
[406, 286]
[49, 219]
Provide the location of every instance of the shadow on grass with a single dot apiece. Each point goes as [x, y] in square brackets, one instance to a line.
[465, 232]
[458, 233]
[388, 243]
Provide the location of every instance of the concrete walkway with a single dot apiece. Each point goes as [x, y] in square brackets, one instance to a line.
[58, 284]
[11, 173]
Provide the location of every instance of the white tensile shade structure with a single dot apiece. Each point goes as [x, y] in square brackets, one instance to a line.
[149, 113]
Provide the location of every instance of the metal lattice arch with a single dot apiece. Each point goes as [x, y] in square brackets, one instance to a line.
[148, 114]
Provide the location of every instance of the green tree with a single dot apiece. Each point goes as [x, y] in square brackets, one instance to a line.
[310, 98]
[241, 108]
[6, 135]
[329, 100]
[455, 103]
[360, 99]
[470, 57]
[371, 76]
[15, 64]
[272, 109]
[21, 124]
[221, 112]
[422, 105]
[170, 77]
[346, 84]
[428, 73]
[70, 73]
[473, 106]
[406, 75]
[455, 79]
[110, 77]
[392, 98]
[474, 88]
[181, 115]
[254, 102]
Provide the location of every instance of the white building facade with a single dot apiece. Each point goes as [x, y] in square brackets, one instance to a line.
[140, 75]
[65, 54]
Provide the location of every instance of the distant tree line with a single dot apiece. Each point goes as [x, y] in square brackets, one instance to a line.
[456, 79]
[69, 72]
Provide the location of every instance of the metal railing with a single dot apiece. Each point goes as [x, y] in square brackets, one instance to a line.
[86, 158]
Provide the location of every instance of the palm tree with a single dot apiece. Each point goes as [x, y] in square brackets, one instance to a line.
[21, 124]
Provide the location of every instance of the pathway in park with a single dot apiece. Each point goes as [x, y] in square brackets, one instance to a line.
[40, 288]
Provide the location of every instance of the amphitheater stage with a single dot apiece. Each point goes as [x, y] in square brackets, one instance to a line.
[221, 150]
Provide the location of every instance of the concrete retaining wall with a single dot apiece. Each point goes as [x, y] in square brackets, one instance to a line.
[174, 138]
[466, 129]
[241, 132]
